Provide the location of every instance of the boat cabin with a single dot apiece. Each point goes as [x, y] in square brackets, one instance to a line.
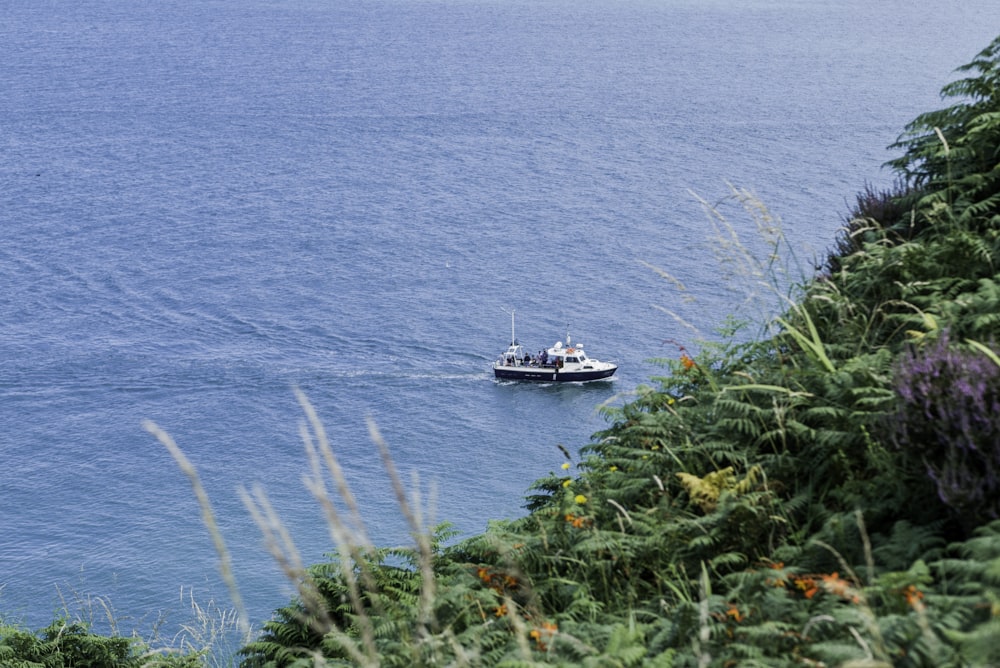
[560, 356]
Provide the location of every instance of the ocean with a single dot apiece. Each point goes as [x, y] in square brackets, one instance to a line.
[206, 206]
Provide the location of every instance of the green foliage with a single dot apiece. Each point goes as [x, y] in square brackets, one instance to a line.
[874, 211]
[950, 155]
[948, 416]
[65, 644]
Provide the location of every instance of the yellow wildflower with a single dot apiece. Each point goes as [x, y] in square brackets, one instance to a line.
[580, 499]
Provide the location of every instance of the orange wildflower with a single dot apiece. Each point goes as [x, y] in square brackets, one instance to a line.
[498, 582]
[834, 584]
[687, 362]
[807, 586]
[914, 597]
[543, 634]
[779, 581]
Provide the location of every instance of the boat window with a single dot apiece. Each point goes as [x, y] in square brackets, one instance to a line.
[572, 359]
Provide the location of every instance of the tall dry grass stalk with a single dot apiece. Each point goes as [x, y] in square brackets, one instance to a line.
[759, 270]
[348, 534]
[89, 609]
[209, 633]
[419, 531]
[208, 517]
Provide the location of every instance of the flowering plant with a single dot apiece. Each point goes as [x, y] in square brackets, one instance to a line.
[949, 415]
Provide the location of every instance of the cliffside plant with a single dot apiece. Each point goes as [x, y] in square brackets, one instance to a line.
[949, 418]
[950, 156]
[66, 644]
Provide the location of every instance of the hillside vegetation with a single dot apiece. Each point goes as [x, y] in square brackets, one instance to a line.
[825, 496]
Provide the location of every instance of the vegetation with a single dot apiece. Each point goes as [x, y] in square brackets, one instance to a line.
[823, 496]
[71, 644]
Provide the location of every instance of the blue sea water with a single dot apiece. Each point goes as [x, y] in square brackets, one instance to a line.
[206, 205]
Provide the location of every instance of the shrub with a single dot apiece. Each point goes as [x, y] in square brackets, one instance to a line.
[65, 644]
[949, 416]
[874, 215]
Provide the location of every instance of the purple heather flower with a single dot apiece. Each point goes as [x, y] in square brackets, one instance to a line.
[949, 416]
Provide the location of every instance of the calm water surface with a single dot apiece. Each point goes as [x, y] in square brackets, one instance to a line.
[204, 206]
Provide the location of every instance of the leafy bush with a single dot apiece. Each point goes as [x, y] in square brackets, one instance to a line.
[950, 155]
[949, 418]
[65, 644]
[874, 212]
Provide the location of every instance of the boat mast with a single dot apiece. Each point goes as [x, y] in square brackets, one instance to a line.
[512, 338]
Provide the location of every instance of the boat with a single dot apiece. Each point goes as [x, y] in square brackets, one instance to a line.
[560, 364]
